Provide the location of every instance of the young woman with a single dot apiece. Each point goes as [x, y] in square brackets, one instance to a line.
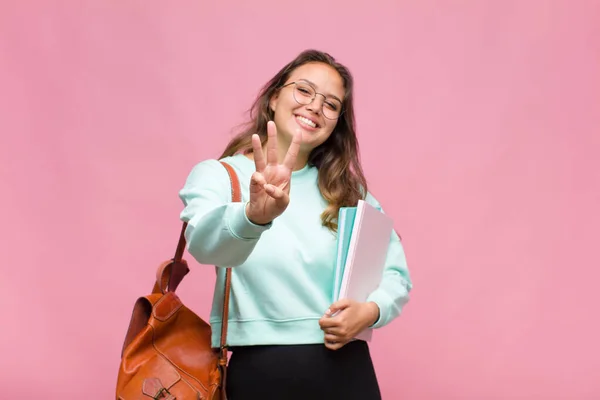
[298, 163]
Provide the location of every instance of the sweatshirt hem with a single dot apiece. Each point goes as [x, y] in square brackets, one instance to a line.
[254, 333]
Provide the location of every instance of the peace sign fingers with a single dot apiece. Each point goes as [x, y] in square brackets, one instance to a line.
[270, 184]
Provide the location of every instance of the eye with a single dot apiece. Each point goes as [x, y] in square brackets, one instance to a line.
[304, 91]
[331, 105]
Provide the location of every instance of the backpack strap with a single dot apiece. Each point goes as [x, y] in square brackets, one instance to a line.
[170, 275]
[236, 197]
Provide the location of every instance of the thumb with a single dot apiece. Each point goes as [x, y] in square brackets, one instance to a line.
[338, 306]
[281, 198]
[257, 182]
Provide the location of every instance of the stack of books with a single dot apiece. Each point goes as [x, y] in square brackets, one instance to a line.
[363, 239]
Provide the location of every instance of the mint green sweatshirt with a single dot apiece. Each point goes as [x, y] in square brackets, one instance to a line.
[282, 279]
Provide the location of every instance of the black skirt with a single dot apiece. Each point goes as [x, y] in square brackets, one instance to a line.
[302, 372]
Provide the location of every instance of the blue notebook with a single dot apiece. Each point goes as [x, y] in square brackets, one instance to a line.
[346, 218]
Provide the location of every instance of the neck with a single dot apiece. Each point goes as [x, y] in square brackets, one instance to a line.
[282, 149]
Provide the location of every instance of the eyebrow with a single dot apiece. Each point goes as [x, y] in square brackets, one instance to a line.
[315, 86]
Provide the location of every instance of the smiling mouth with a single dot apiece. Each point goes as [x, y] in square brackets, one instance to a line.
[307, 121]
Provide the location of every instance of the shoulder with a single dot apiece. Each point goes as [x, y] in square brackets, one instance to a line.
[211, 171]
[370, 198]
[375, 203]
[206, 173]
[210, 179]
[240, 163]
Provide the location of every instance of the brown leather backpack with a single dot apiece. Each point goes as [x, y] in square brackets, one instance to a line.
[167, 352]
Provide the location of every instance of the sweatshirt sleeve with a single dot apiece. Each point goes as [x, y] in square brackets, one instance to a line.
[393, 291]
[218, 232]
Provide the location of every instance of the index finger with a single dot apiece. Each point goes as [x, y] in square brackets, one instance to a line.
[293, 150]
[259, 157]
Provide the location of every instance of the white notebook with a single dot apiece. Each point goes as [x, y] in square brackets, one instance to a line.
[361, 254]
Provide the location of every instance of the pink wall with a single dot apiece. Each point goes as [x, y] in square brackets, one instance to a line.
[479, 124]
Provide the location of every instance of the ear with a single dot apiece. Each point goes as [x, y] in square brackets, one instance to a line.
[273, 101]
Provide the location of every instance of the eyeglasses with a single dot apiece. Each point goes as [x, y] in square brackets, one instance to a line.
[305, 94]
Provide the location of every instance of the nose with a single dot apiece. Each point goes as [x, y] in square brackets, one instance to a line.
[315, 105]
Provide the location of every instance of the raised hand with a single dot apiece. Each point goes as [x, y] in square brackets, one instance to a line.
[270, 184]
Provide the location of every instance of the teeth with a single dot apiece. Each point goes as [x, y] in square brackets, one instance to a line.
[307, 121]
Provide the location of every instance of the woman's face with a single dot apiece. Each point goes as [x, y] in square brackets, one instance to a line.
[295, 109]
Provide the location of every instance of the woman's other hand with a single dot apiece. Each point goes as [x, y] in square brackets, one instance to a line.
[352, 318]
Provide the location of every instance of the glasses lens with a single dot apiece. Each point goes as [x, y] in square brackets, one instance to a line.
[305, 94]
[332, 108]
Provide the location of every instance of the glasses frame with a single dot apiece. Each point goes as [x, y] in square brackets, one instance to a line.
[313, 98]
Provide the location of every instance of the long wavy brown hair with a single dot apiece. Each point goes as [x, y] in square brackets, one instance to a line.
[341, 178]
